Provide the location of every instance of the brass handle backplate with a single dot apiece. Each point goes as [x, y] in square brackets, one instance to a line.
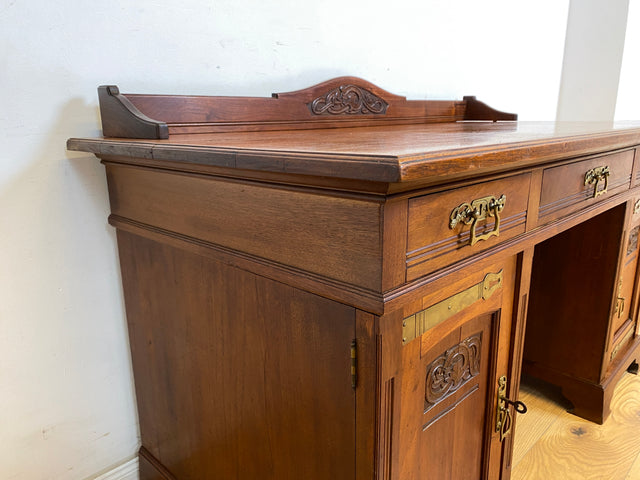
[619, 306]
[595, 176]
[479, 209]
[619, 300]
[504, 420]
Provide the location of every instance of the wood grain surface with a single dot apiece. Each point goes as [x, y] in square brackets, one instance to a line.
[634, 473]
[403, 153]
[330, 236]
[451, 435]
[266, 282]
[432, 243]
[570, 271]
[564, 189]
[552, 444]
[541, 414]
[257, 384]
[339, 102]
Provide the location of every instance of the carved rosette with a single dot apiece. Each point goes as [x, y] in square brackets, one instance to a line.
[349, 100]
[451, 370]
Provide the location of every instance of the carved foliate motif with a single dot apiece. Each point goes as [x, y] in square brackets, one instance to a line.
[451, 370]
[348, 100]
[632, 246]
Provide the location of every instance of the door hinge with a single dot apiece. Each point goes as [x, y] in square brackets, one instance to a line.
[354, 364]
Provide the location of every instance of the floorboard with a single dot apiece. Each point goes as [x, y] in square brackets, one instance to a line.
[634, 473]
[551, 443]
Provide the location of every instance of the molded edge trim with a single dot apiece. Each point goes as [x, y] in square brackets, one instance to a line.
[154, 463]
[125, 471]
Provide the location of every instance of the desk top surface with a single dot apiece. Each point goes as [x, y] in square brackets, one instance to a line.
[398, 153]
[404, 142]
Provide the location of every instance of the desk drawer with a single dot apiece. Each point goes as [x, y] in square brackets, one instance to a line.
[442, 229]
[569, 188]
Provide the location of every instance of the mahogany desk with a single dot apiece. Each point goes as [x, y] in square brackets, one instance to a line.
[334, 283]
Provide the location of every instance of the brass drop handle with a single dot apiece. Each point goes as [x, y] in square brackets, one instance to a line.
[479, 209]
[595, 176]
[504, 419]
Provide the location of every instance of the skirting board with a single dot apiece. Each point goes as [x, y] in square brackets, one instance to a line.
[126, 471]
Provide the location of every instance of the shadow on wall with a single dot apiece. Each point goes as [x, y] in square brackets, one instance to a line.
[58, 194]
[75, 119]
[65, 346]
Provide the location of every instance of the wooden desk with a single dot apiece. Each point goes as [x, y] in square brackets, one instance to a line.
[334, 283]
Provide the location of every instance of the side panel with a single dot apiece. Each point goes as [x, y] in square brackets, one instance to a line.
[237, 376]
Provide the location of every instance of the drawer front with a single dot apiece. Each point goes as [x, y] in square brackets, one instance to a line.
[443, 228]
[569, 188]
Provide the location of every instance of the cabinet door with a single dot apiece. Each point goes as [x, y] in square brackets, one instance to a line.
[449, 378]
[237, 376]
[623, 320]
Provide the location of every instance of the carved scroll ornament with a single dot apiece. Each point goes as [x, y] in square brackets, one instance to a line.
[451, 370]
[349, 100]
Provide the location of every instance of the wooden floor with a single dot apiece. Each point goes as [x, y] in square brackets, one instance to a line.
[551, 443]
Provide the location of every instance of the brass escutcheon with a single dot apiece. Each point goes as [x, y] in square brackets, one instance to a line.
[479, 209]
[595, 176]
[504, 419]
[619, 300]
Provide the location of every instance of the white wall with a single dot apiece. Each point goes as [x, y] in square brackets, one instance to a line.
[66, 394]
[628, 101]
[592, 60]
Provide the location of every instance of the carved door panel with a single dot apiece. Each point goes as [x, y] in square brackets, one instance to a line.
[623, 318]
[450, 380]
